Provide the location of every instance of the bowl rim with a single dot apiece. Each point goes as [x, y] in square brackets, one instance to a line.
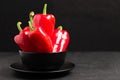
[20, 51]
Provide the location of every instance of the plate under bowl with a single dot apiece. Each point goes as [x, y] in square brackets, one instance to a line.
[19, 67]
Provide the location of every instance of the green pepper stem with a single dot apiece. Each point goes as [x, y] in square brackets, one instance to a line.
[19, 26]
[30, 25]
[45, 9]
[60, 27]
[31, 16]
[31, 20]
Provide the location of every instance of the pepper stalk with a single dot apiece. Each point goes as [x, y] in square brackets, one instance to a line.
[45, 9]
[30, 22]
[19, 26]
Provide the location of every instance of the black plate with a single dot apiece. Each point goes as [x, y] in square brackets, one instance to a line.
[19, 67]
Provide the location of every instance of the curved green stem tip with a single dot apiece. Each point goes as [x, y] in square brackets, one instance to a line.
[60, 27]
[19, 26]
[31, 14]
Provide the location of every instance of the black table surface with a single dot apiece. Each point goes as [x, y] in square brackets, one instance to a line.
[88, 66]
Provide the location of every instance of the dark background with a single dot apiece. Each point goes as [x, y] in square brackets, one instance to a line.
[94, 25]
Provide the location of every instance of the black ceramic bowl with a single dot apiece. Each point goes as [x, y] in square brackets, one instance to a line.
[42, 61]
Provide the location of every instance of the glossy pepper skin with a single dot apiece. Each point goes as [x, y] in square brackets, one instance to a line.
[41, 40]
[45, 21]
[60, 39]
[22, 39]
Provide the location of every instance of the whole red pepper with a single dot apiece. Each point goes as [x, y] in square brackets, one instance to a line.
[40, 39]
[60, 39]
[22, 39]
[45, 21]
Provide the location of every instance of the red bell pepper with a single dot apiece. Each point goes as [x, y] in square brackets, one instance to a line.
[22, 39]
[45, 21]
[60, 39]
[39, 37]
